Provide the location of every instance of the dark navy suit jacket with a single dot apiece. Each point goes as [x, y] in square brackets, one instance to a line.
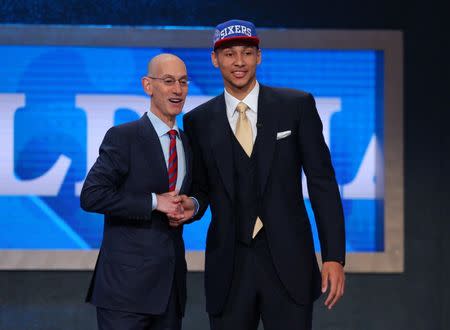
[281, 207]
[140, 255]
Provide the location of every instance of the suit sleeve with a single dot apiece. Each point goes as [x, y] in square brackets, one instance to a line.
[102, 191]
[199, 188]
[322, 186]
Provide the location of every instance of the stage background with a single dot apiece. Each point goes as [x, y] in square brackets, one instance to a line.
[62, 87]
[416, 299]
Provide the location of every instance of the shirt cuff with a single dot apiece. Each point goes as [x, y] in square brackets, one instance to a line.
[196, 205]
[154, 202]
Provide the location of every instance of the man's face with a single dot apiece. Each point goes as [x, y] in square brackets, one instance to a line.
[168, 88]
[237, 63]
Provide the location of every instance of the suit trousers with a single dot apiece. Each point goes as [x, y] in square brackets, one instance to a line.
[257, 293]
[120, 320]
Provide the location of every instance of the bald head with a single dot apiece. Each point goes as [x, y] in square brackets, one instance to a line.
[156, 64]
[167, 86]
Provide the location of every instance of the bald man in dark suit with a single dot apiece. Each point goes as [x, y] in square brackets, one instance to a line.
[140, 276]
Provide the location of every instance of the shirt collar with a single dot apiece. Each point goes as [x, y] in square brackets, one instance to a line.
[251, 100]
[161, 127]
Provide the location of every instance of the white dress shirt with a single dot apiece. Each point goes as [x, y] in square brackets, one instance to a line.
[252, 113]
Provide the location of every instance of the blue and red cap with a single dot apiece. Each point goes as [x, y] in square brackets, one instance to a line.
[235, 30]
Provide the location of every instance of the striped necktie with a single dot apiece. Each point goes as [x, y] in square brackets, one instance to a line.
[172, 168]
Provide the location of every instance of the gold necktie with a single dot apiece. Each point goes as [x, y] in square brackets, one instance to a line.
[244, 135]
[244, 132]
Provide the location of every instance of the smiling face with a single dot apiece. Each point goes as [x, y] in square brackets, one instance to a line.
[237, 63]
[166, 84]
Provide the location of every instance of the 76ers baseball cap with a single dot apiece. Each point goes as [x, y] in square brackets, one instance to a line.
[235, 30]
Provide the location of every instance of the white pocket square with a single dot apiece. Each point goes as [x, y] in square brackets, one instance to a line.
[282, 135]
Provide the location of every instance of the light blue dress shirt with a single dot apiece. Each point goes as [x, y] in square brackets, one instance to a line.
[162, 130]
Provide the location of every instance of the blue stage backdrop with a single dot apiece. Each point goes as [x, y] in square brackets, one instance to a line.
[56, 103]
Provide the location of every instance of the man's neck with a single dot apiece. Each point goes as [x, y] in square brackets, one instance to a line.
[241, 93]
[168, 120]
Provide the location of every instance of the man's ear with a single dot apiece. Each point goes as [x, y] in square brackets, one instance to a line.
[147, 85]
[259, 57]
[214, 59]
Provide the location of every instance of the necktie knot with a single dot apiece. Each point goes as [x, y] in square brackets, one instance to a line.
[172, 134]
[241, 107]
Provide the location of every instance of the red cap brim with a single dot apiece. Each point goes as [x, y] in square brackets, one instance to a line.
[254, 41]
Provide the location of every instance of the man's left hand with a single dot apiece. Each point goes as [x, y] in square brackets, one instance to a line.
[333, 277]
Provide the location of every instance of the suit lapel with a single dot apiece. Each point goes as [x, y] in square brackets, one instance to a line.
[153, 151]
[188, 158]
[266, 138]
[220, 134]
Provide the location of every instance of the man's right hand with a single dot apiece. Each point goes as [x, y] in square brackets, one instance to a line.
[169, 202]
[187, 212]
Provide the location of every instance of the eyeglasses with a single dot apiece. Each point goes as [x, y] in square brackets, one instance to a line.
[170, 81]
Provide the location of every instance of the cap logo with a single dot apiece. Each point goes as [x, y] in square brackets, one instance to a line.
[233, 29]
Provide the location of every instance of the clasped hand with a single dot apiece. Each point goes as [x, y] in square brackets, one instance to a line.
[178, 208]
